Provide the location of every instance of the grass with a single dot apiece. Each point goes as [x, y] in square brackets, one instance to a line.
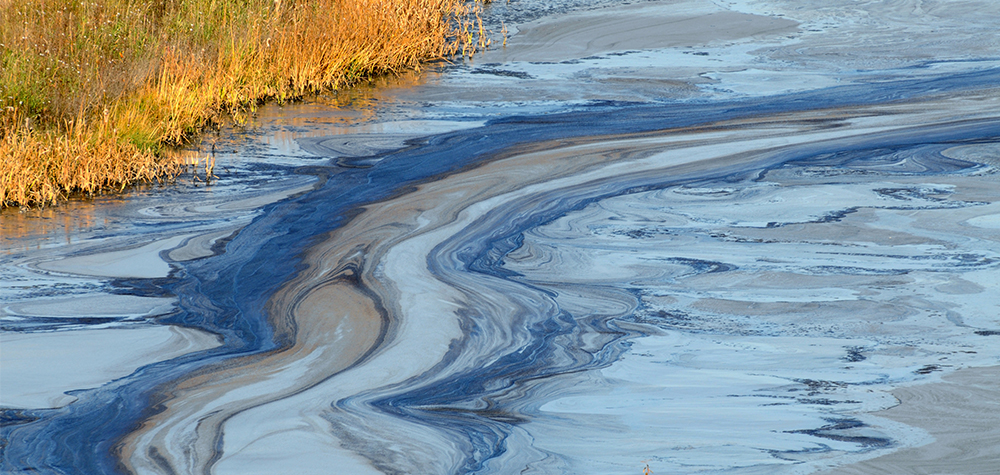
[92, 92]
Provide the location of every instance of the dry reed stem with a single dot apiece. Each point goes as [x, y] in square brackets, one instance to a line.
[90, 91]
[44, 167]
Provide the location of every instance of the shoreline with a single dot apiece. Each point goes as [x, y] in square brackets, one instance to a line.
[65, 137]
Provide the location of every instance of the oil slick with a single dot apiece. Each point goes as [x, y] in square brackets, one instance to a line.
[730, 283]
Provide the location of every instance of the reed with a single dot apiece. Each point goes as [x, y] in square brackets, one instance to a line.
[92, 91]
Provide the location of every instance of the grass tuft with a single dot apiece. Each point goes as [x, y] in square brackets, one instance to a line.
[92, 91]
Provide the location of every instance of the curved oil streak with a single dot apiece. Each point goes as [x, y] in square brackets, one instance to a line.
[491, 374]
[515, 337]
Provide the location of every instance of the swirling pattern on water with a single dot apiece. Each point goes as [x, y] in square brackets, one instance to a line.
[726, 285]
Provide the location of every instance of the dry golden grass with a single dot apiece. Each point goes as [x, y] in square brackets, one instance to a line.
[91, 91]
[45, 166]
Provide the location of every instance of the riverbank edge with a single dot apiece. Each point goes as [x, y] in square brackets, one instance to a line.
[121, 140]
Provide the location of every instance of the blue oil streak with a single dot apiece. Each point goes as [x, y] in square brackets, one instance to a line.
[485, 253]
[227, 294]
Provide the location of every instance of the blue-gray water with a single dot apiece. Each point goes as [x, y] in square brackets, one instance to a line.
[625, 239]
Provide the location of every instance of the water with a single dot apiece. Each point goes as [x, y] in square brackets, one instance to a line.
[710, 237]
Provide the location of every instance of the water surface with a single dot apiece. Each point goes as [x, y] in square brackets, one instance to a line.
[624, 239]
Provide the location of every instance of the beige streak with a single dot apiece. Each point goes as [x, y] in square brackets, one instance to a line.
[335, 324]
[196, 409]
[962, 413]
[636, 27]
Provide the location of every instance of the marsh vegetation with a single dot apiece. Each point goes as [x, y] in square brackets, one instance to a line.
[91, 92]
